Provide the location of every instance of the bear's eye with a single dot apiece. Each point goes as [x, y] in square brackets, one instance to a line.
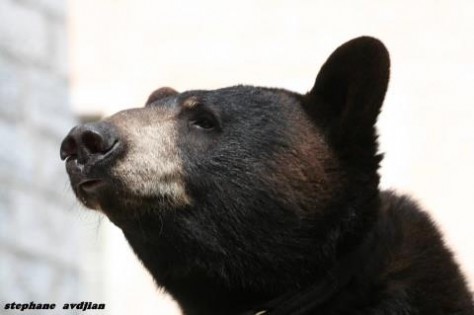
[203, 122]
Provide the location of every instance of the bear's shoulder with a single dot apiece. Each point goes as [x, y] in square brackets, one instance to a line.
[417, 260]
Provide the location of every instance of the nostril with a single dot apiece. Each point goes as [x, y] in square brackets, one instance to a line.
[68, 148]
[97, 139]
[94, 142]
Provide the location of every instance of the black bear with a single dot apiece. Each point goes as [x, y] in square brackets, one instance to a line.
[251, 200]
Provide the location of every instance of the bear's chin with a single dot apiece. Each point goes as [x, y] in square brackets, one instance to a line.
[123, 208]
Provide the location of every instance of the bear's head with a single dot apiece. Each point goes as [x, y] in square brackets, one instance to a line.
[232, 188]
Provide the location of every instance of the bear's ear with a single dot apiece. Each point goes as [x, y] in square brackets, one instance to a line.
[160, 93]
[348, 93]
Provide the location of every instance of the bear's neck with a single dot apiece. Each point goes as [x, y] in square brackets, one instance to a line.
[226, 274]
[199, 288]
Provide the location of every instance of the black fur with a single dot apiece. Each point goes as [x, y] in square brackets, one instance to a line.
[286, 215]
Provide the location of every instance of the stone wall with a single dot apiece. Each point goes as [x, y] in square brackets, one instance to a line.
[39, 231]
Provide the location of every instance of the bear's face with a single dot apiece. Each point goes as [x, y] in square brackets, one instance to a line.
[182, 149]
[240, 147]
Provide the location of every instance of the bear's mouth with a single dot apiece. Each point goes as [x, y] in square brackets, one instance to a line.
[90, 186]
[89, 191]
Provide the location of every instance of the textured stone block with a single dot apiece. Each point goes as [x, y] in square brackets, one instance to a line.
[46, 103]
[16, 160]
[50, 175]
[54, 8]
[10, 89]
[47, 228]
[59, 60]
[6, 213]
[35, 280]
[23, 31]
[10, 289]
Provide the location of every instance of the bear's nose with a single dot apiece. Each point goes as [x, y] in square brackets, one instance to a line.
[87, 140]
